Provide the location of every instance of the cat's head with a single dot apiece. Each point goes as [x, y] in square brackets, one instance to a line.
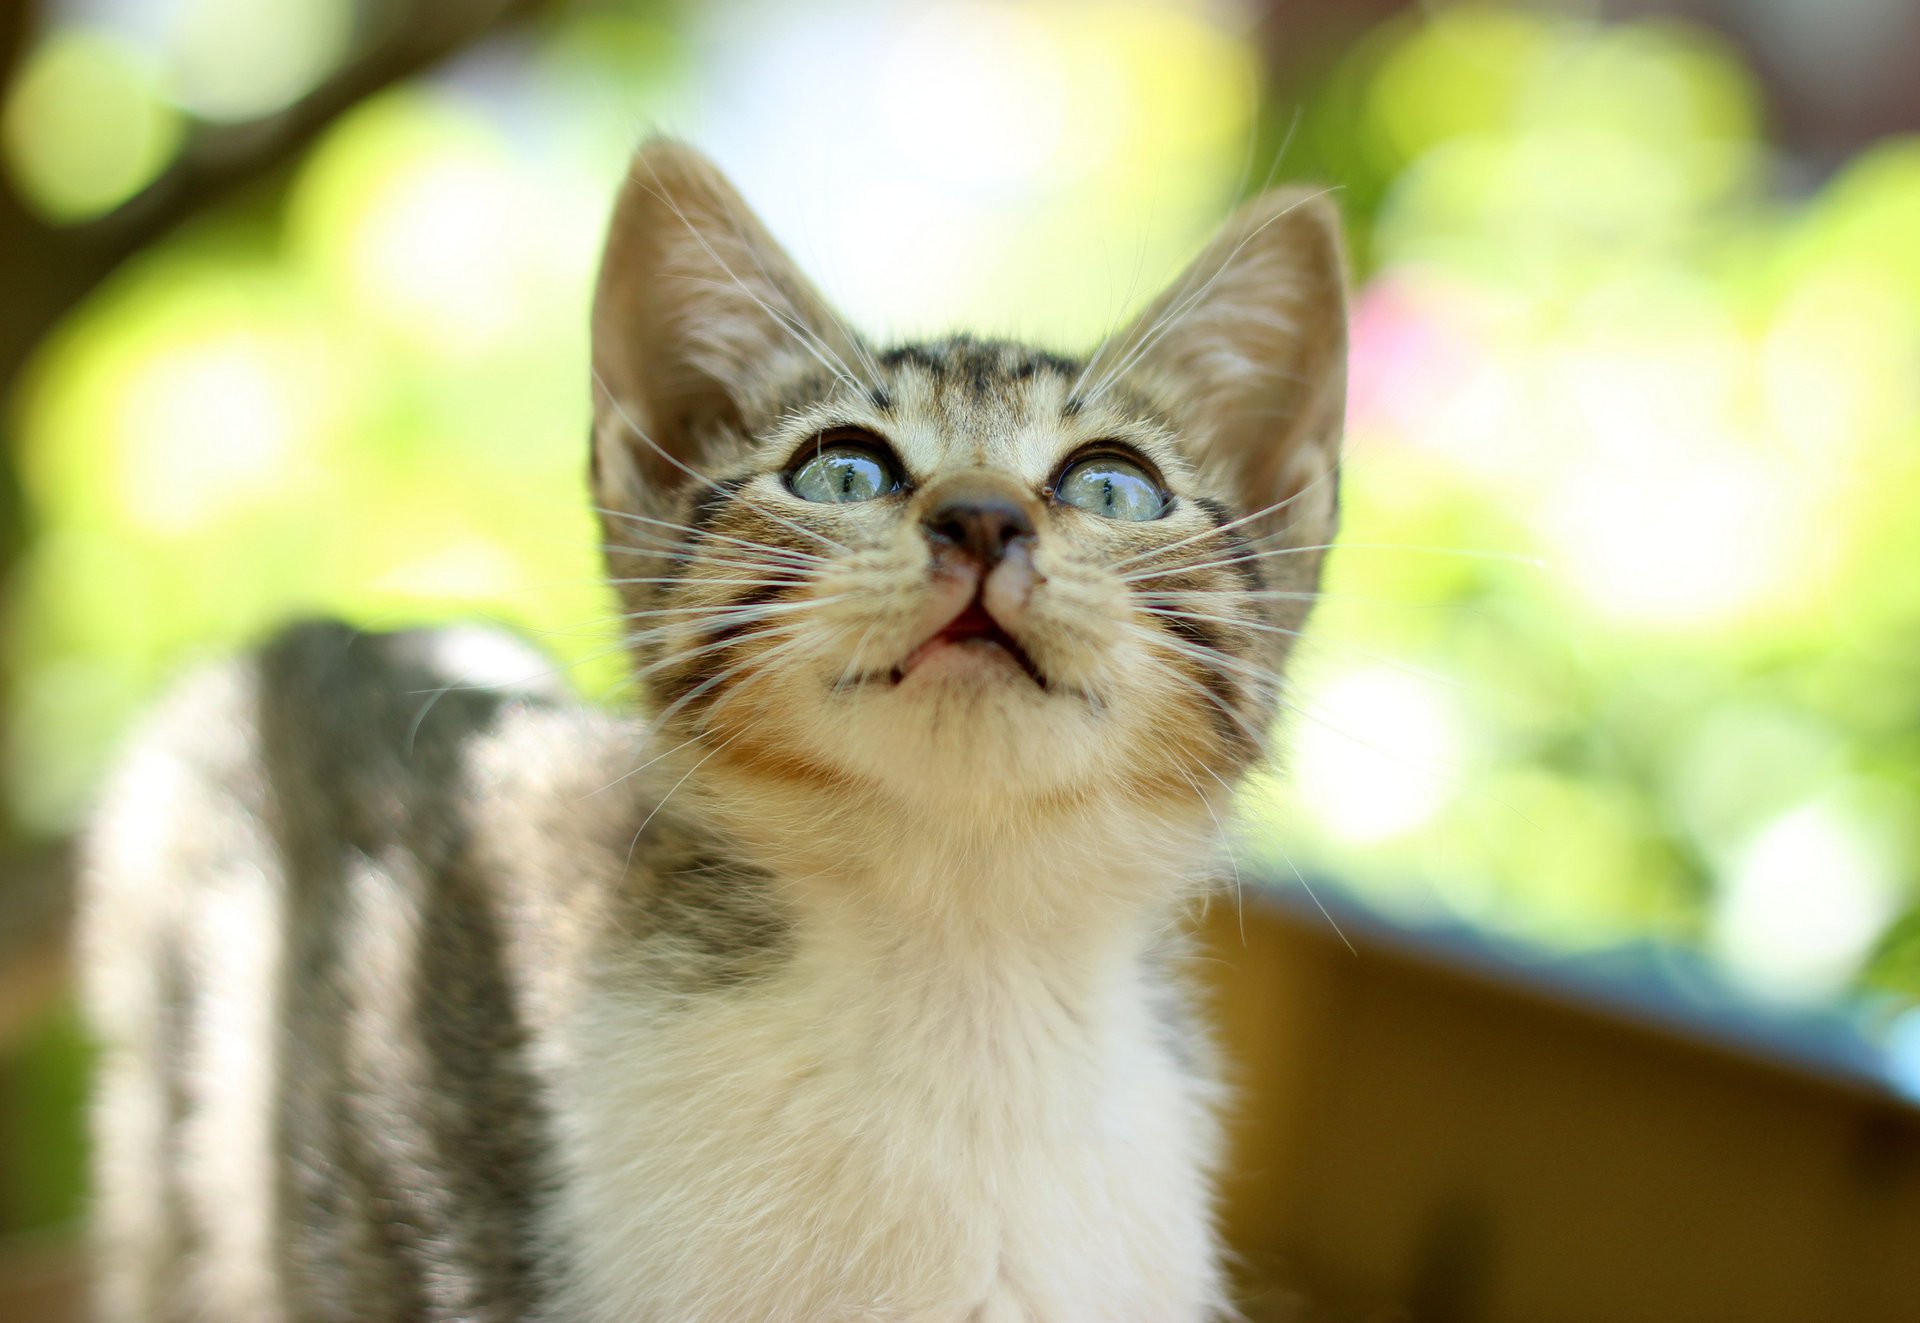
[962, 569]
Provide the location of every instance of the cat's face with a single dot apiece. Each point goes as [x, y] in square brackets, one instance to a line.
[962, 570]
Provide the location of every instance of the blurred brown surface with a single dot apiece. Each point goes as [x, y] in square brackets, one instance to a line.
[1415, 1142]
[41, 1281]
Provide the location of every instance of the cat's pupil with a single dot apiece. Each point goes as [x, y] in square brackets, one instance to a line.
[841, 474]
[1112, 486]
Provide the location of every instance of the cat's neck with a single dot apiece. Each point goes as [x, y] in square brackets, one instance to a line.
[946, 1071]
[1090, 864]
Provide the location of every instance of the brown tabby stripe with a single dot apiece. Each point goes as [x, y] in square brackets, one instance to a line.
[1216, 679]
[406, 1191]
[1239, 558]
[977, 363]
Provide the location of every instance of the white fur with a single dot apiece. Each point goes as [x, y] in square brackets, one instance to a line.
[945, 1119]
[229, 945]
[939, 1106]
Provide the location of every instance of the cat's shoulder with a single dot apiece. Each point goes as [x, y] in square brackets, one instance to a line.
[367, 733]
[322, 692]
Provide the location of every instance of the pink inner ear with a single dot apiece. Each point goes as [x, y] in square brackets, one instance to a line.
[1249, 345]
[696, 304]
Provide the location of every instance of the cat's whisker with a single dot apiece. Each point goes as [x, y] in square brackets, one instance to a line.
[734, 610]
[1394, 663]
[1189, 302]
[1256, 739]
[1253, 672]
[1240, 556]
[705, 581]
[775, 574]
[620, 411]
[639, 768]
[1314, 896]
[1179, 595]
[689, 531]
[1194, 567]
[723, 676]
[765, 560]
[1220, 529]
[804, 335]
[641, 830]
[681, 656]
[838, 368]
[434, 695]
[854, 658]
[762, 661]
[1220, 831]
[730, 627]
[735, 561]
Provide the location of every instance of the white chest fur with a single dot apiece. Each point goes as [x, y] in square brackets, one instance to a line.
[912, 1129]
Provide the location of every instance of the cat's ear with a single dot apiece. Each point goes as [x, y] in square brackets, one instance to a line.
[696, 306]
[1248, 348]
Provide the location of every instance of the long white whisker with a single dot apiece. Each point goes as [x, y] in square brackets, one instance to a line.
[795, 573]
[765, 548]
[1251, 671]
[1314, 897]
[1245, 557]
[1217, 530]
[1189, 302]
[734, 611]
[803, 335]
[703, 581]
[641, 830]
[1239, 905]
[1320, 641]
[621, 412]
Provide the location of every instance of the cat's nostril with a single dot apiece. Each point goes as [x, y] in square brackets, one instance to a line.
[982, 526]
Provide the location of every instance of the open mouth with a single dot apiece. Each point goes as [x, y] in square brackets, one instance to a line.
[973, 627]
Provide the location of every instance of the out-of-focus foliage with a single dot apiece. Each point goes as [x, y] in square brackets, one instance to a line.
[1623, 641]
[1593, 335]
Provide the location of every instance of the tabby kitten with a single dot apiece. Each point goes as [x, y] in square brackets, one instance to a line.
[844, 985]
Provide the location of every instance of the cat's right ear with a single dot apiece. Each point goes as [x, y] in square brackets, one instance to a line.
[696, 306]
[1248, 351]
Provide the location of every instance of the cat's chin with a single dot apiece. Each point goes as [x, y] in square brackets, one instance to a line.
[974, 660]
[967, 724]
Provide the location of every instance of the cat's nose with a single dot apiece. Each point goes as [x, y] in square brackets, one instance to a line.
[978, 519]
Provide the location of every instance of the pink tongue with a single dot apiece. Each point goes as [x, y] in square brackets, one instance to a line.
[972, 623]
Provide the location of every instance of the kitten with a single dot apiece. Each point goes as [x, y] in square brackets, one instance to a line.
[845, 985]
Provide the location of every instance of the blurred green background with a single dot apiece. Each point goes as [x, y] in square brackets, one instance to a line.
[1624, 643]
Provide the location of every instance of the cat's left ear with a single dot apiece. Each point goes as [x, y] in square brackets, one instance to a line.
[696, 306]
[1248, 349]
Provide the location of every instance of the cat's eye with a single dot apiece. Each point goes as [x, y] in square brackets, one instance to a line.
[838, 472]
[1111, 485]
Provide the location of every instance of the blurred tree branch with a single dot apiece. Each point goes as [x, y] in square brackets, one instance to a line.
[67, 262]
[51, 268]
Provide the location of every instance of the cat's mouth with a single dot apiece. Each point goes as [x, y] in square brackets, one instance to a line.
[974, 627]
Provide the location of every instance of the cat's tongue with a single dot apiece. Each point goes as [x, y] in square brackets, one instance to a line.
[974, 623]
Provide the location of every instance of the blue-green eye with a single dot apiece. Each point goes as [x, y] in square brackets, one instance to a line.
[1111, 485]
[838, 473]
